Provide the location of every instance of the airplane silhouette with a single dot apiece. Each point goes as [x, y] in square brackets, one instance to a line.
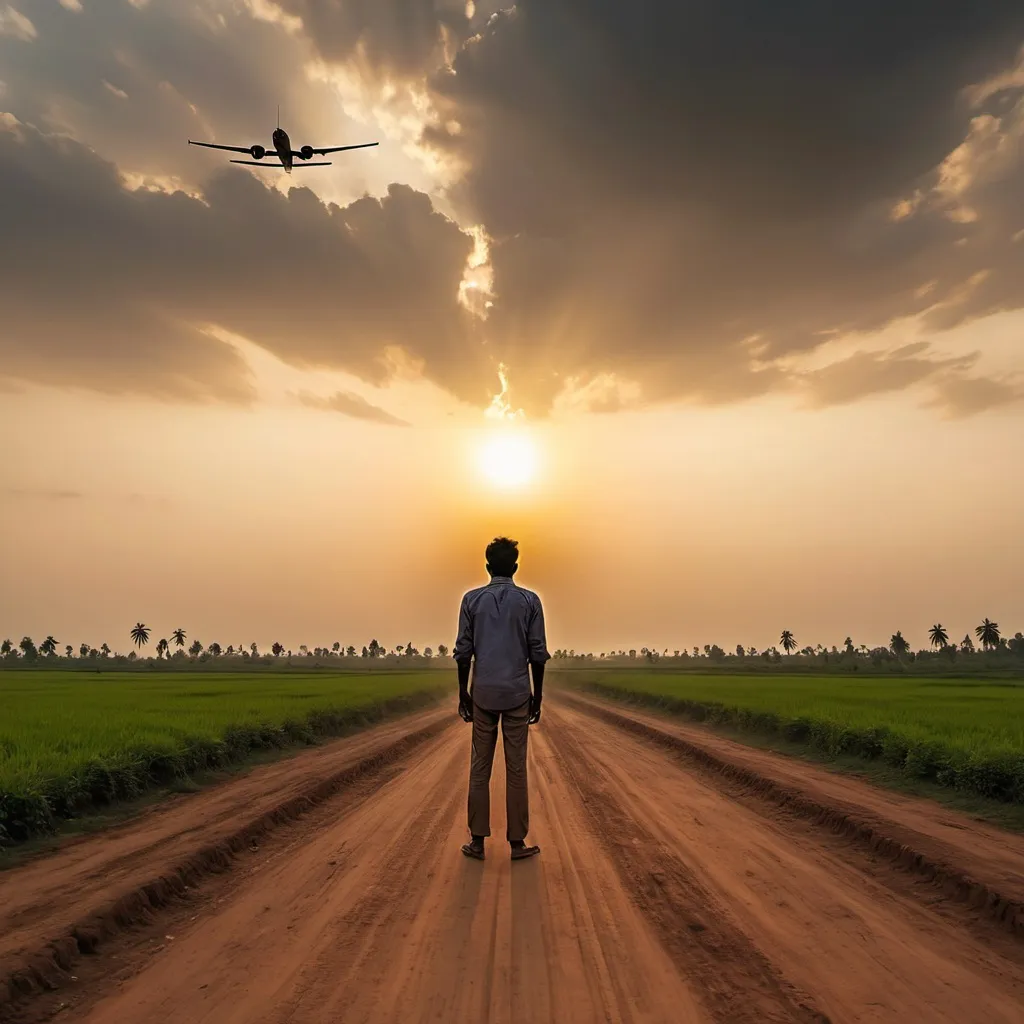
[282, 148]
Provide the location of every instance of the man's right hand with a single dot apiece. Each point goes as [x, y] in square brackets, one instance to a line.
[534, 718]
[465, 707]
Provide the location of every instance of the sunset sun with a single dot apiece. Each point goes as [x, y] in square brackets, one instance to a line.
[508, 459]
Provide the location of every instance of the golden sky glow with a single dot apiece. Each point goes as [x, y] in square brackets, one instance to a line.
[714, 391]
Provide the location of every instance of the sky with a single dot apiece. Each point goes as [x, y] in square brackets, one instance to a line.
[716, 307]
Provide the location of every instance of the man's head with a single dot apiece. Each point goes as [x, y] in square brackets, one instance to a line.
[502, 556]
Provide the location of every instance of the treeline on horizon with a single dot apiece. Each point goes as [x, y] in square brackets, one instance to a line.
[992, 647]
[992, 651]
[48, 651]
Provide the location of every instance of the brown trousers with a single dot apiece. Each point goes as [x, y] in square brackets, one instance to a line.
[514, 735]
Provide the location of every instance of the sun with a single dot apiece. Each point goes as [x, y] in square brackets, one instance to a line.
[508, 459]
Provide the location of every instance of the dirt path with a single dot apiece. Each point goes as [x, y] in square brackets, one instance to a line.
[946, 836]
[65, 891]
[658, 897]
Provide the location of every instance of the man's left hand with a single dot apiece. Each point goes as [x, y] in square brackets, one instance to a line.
[534, 711]
[465, 707]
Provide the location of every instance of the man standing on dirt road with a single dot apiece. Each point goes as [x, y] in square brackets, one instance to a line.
[501, 635]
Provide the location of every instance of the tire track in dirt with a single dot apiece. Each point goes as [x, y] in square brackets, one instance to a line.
[589, 913]
[658, 898]
[355, 942]
[542, 940]
[915, 853]
[865, 951]
[52, 945]
[403, 928]
[736, 981]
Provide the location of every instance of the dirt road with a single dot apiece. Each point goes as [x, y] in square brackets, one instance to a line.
[663, 893]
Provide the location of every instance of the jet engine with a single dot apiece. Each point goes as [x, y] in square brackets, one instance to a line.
[306, 152]
[258, 152]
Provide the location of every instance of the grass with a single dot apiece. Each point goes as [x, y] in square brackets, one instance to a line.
[997, 812]
[71, 743]
[961, 734]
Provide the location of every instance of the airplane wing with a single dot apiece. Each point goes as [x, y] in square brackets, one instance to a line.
[338, 149]
[213, 145]
[278, 164]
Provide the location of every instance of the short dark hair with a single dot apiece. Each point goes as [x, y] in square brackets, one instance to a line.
[502, 556]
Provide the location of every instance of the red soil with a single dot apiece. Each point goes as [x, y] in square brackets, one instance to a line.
[682, 878]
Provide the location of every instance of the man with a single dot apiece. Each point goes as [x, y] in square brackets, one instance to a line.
[501, 635]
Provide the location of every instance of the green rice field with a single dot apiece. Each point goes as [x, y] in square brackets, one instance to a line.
[71, 740]
[967, 734]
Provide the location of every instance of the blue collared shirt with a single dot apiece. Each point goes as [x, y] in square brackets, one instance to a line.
[501, 627]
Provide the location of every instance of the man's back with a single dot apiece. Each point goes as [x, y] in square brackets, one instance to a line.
[501, 626]
[501, 639]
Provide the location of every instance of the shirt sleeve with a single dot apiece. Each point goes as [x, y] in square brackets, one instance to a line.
[463, 650]
[536, 640]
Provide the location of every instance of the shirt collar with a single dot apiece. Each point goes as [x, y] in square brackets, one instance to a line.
[501, 579]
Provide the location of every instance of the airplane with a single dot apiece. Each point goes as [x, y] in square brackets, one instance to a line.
[282, 148]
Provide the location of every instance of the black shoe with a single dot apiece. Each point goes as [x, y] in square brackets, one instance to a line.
[520, 851]
[474, 849]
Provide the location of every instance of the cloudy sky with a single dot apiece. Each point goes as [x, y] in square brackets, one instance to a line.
[739, 286]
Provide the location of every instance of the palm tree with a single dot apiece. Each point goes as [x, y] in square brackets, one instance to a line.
[898, 643]
[28, 648]
[140, 634]
[178, 636]
[988, 634]
[105, 650]
[788, 641]
[48, 646]
[69, 651]
[939, 636]
[162, 648]
[277, 649]
[83, 651]
[254, 650]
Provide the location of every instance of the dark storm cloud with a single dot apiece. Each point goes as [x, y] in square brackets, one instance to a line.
[110, 289]
[682, 193]
[686, 195]
[351, 404]
[792, 108]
